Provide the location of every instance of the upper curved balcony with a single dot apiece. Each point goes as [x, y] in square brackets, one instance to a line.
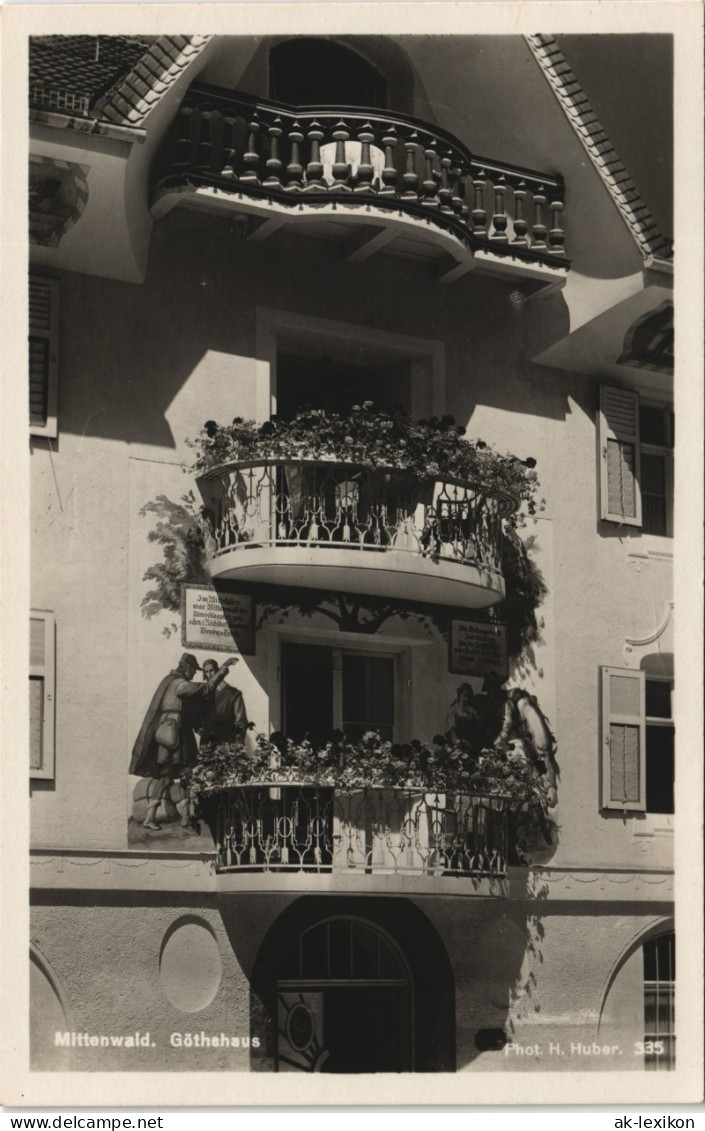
[340, 527]
[405, 185]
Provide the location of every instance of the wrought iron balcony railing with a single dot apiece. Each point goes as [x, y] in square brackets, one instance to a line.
[363, 515]
[268, 151]
[305, 827]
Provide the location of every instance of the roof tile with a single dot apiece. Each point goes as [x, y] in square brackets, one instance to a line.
[588, 129]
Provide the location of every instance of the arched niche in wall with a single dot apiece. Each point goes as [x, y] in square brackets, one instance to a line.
[638, 1004]
[318, 71]
[48, 1015]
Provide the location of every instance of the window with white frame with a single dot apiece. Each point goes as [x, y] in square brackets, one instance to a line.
[660, 1002]
[638, 741]
[636, 461]
[43, 355]
[41, 694]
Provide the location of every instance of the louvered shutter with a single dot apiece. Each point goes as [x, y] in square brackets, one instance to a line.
[41, 695]
[623, 739]
[619, 455]
[43, 354]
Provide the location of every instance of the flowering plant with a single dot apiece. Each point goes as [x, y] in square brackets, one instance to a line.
[371, 762]
[371, 438]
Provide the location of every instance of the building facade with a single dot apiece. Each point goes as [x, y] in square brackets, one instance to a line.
[225, 229]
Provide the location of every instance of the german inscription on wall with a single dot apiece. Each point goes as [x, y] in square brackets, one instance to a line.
[477, 648]
[217, 621]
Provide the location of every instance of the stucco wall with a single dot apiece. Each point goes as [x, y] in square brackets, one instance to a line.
[110, 963]
[143, 367]
[525, 969]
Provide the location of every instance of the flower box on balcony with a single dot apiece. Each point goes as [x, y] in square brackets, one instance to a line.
[423, 504]
[370, 807]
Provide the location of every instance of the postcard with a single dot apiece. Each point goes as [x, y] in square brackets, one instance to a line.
[353, 553]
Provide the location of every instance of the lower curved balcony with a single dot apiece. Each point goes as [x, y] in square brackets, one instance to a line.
[343, 528]
[314, 837]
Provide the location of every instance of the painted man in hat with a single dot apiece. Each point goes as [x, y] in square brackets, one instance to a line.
[166, 745]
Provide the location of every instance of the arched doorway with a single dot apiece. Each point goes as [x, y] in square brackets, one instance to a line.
[344, 1001]
[375, 963]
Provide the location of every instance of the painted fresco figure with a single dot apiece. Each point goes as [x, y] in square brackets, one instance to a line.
[495, 712]
[531, 730]
[514, 720]
[463, 719]
[224, 714]
[166, 744]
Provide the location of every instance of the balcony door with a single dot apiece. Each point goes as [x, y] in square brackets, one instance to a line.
[326, 689]
[343, 1001]
[335, 385]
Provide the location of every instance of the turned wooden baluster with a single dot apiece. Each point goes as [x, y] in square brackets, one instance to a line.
[479, 214]
[251, 157]
[294, 169]
[410, 177]
[499, 218]
[229, 149]
[457, 184]
[204, 149]
[274, 164]
[538, 229]
[520, 225]
[314, 168]
[341, 169]
[445, 195]
[556, 236]
[430, 181]
[183, 146]
[389, 172]
[365, 171]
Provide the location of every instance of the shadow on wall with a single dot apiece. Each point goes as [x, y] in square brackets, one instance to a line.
[362, 967]
[358, 984]
[138, 347]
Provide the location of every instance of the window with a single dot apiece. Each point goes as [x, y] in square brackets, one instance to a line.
[43, 355]
[660, 1002]
[660, 745]
[638, 741]
[656, 449]
[335, 386]
[41, 695]
[636, 461]
[327, 689]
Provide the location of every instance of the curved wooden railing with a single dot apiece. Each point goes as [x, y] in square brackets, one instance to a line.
[304, 503]
[299, 826]
[270, 151]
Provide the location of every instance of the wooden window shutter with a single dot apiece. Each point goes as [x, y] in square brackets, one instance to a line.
[41, 695]
[623, 739]
[43, 354]
[619, 456]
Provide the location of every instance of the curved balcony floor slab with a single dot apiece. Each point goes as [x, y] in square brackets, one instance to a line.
[401, 574]
[364, 228]
[378, 883]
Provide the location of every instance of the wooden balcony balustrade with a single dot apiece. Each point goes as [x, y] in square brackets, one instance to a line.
[269, 152]
[294, 826]
[331, 513]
